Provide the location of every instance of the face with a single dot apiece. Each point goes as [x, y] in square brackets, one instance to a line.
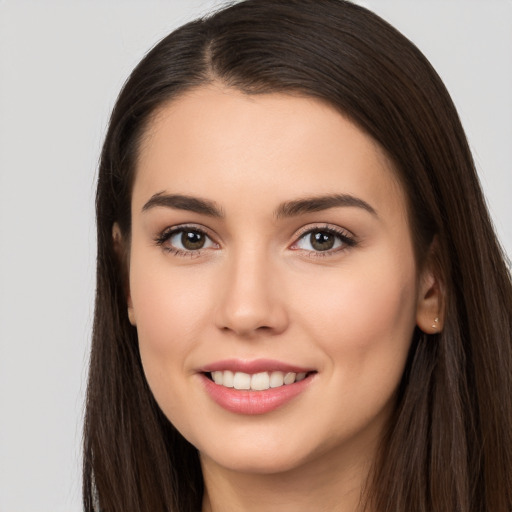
[272, 279]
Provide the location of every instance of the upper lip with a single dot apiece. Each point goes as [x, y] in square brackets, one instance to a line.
[253, 366]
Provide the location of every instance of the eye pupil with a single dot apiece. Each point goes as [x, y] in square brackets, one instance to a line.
[322, 241]
[192, 240]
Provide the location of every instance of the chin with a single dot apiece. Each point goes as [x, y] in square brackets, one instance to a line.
[254, 462]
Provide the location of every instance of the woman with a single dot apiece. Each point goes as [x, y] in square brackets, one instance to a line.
[301, 303]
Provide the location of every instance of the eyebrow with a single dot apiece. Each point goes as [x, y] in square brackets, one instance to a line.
[284, 210]
[182, 202]
[319, 203]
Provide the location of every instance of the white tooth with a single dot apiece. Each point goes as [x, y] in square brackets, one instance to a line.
[276, 379]
[300, 376]
[227, 379]
[217, 377]
[260, 381]
[289, 378]
[242, 381]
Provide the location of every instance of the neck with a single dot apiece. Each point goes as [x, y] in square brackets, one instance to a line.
[323, 486]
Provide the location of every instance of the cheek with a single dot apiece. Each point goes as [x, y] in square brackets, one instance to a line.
[170, 312]
[380, 310]
[169, 306]
[363, 322]
[364, 316]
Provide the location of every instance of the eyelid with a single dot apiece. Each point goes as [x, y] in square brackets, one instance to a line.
[323, 226]
[164, 236]
[347, 238]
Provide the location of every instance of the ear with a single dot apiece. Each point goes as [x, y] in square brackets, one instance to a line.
[121, 251]
[430, 305]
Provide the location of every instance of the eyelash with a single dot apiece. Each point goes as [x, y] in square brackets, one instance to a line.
[347, 240]
[164, 237]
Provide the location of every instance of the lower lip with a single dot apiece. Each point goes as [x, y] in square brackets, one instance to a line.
[253, 402]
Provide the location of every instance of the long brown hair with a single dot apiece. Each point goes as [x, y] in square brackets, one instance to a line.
[448, 447]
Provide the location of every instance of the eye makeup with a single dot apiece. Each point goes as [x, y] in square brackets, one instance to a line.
[185, 240]
[315, 241]
[324, 240]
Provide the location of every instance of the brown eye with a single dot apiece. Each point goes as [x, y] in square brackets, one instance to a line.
[193, 240]
[322, 240]
[186, 240]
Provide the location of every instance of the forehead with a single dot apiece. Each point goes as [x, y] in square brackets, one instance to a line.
[223, 144]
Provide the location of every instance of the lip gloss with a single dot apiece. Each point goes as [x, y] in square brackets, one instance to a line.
[248, 401]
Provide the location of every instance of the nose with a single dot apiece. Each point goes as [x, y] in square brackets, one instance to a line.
[251, 298]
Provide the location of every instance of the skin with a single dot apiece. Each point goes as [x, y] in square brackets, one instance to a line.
[259, 289]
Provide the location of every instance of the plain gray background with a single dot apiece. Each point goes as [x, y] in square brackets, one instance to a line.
[61, 67]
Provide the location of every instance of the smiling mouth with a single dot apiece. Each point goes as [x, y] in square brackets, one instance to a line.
[257, 381]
